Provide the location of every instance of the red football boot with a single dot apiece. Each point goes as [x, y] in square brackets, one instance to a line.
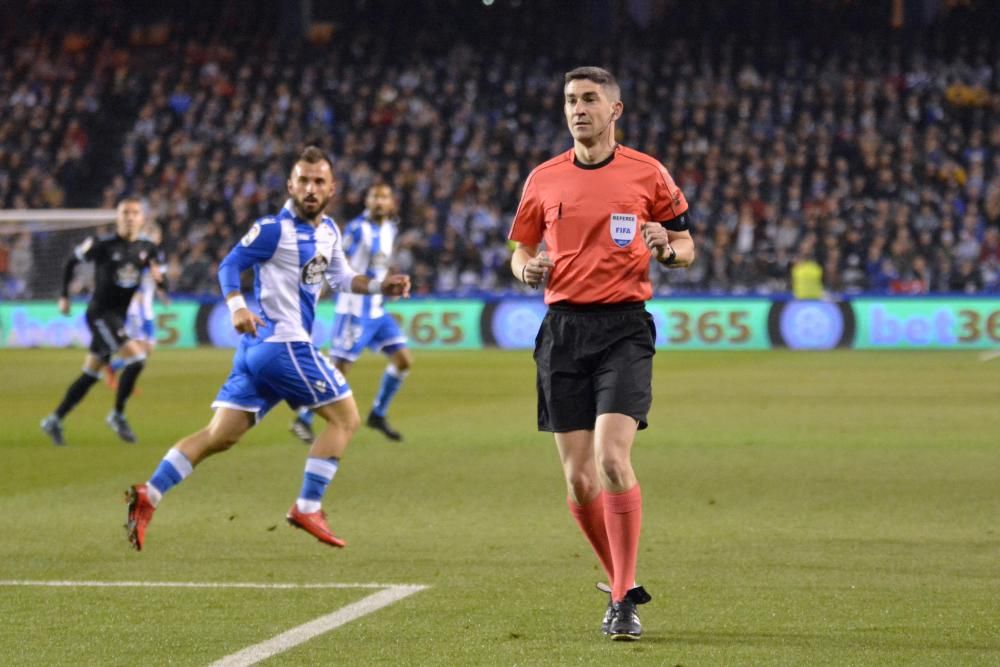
[314, 523]
[140, 513]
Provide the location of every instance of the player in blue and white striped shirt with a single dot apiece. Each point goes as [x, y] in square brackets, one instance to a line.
[291, 254]
[361, 322]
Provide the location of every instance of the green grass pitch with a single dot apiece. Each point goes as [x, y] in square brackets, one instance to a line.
[800, 509]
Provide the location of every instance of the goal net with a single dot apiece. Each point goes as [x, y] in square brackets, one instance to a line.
[34, 245]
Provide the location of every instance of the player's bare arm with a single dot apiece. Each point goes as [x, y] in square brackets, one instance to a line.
[396, 286]
[68, 270]
[159, 274]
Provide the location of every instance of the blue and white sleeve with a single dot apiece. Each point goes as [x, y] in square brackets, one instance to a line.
[258, 245]
[352, 238]
[339, 273]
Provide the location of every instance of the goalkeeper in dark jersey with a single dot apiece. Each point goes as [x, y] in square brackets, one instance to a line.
[119, 260]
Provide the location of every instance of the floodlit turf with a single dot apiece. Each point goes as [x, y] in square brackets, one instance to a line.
[800, 509]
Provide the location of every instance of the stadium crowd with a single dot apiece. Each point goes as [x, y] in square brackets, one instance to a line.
[876, 154]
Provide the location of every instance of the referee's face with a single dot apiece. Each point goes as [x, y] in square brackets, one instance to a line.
[589, 112]
[311, 187]
[130, 220]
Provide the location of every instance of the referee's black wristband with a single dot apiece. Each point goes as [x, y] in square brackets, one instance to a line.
[669, 259]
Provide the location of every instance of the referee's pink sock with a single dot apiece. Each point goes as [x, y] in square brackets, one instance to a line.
[623, 518]
[590, 518]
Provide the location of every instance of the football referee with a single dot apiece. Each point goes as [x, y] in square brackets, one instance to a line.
[601, 210]
[119, 260]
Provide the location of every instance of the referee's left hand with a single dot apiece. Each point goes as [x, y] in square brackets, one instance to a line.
[655, 236]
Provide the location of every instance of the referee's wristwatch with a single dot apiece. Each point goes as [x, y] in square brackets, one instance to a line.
[671, 258]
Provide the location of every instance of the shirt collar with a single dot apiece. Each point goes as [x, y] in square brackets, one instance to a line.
[597, 165]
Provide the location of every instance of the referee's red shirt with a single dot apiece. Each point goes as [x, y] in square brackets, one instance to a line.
[590, 218]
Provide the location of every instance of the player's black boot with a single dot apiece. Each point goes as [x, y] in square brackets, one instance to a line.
[381, 424]
[302, 430]
[53, 428]
[117, 422]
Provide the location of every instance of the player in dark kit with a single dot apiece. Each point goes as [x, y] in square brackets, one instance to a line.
[119, 260]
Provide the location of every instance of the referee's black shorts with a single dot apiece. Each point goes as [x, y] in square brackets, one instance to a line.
[592, 360]
[107, 332]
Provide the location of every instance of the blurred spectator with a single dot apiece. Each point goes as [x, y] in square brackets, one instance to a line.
[828, 134]
[21, 264]
[807, 277]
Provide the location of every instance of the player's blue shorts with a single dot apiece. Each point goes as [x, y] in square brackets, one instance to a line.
[352, 334]
[265, 373]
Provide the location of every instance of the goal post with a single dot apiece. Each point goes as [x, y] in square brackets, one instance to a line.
[35, 244]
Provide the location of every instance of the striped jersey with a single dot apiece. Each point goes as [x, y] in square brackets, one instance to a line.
[141, 306]
[368, 246]
[290, 259]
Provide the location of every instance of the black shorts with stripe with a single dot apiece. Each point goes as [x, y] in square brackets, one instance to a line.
[592, 360]
[107, 332]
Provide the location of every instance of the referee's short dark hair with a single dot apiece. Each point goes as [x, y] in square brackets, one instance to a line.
[598, 75]
[314, 154]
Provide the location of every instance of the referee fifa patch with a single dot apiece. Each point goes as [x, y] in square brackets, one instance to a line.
[623, 226]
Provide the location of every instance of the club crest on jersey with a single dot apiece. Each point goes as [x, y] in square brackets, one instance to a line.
[251, 235]
[127, 276]
[312, 272]
[623, 226]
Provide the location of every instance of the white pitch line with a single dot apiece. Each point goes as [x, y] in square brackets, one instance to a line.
[180, 584]
[286, 640]
[303, 633]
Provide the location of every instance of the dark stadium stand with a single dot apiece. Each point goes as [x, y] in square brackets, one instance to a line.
[863, 137]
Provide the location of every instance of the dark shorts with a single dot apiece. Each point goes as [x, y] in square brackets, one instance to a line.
[107, 333]
[594, 360]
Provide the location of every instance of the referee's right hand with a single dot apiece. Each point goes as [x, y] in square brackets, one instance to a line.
[536, 270]
[246, 322]
[64, 305]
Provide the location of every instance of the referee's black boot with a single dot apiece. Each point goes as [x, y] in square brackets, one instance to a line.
[625, 625]
[637, 596]
[118, 424]
[380, 423]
